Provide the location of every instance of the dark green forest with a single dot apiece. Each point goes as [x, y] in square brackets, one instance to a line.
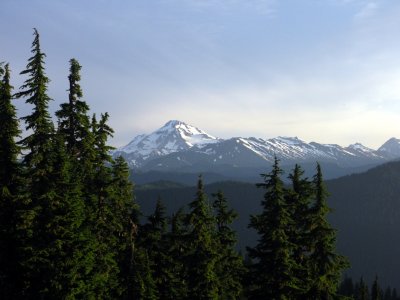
[365, 213]
[70, 227]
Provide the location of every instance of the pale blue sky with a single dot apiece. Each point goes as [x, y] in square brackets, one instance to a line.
[322, 70]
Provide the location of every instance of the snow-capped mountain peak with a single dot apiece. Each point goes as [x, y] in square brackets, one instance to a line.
[289, 140]
[190, 134]
[359, 147]
[180, 144]
[174, 136]
[391, 148]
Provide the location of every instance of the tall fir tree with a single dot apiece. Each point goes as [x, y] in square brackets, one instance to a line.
[376, 293]
[67, 246]
[361, 290]
[100, 214]
[144, 286]
[74, 121]
[177, 247]
[298, 198]
[229, 267]
[394, 294]
[9, 132]
[388, 294]
[79, 134]
[201, 256]
[10, 189]
[272, 271]
[39, 143]
[37, 212]
[325, 264]
[346, 287]
[124, 224]
[153, 239]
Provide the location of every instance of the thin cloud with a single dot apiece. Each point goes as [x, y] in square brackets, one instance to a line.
[367, 10]
[222, 65]
[265, 7]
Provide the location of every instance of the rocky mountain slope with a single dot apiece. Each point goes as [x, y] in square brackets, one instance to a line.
[180, 147]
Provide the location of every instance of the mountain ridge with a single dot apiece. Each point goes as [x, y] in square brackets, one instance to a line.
[178, 145]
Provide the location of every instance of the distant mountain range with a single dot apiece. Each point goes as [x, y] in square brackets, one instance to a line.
[180, 147]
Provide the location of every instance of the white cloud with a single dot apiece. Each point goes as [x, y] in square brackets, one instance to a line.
[367, 10]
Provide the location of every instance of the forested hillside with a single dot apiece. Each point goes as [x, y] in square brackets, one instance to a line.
[367, 214]
[366, 210]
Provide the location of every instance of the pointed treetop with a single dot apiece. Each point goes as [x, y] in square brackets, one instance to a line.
[74, 78]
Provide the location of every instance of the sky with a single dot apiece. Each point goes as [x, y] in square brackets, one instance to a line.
[322, 70]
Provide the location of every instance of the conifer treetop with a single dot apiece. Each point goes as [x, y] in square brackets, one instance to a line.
[34, 90]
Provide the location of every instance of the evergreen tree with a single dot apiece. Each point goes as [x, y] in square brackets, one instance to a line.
[177, 245]
[144, 285]
[376, 293]
[39, 143]
[101, 215]
[124, 224]
[346, 287]
[272, 271]
[229, 266]
[73, 119]
[361, 290]
[75, 128]
[394, 294]
[388, 294]
[37, 212]
[299, 200]
[67, 246]
[326, 264]
[10, 189]
[201, 256]
[78, 131]
[153, 238]
[9, 132]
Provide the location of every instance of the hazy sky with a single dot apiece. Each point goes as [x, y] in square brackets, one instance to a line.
[322, 70]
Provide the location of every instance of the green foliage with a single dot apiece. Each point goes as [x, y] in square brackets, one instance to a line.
[144, 285]
[101, 216]
[39, 143]
[37, 210]
[69, 225]
[73, 121]
[229, 267]
[376, 292]
[123, 222]
[201, 256]
[298, 199]
[295, 256]
[272, 271]
[361, 290]
[346, 287]
[68, 219]
[9, 132]
[177, 247]
[10, 189]
[325, 264]
[65, 227]
[153, 239]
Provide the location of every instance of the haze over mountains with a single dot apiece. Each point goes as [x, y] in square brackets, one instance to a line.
[180, 147]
